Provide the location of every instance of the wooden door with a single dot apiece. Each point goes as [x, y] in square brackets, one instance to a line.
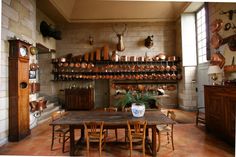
[101, 93]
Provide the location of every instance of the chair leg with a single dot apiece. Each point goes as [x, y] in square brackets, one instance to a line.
[59, 138]
[168, 138]
[116, 135]
[143, 147]
[100, 148]
[131, 147]
[172, 139]
[52, 137]
[63, 143]
[87, 140]
[159, 141]
[126, 134]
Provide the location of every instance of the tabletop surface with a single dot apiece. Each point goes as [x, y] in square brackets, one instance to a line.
[111, 118]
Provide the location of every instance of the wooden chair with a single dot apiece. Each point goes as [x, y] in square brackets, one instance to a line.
[200, 116]
[112, 109]
[59, 131]
[168, 129]
[137, 132]
[94, 133]
[126, 109]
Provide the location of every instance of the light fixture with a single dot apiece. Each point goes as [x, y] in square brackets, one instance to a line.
[213, 70]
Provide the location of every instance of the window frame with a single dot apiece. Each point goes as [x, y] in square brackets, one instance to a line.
[208, 53]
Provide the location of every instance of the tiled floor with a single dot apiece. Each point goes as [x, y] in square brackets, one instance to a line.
[189, 140]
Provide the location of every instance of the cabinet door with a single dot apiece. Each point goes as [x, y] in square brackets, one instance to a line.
[214, 111]
[230, 109]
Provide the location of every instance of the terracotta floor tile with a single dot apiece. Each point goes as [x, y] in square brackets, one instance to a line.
[189, 141]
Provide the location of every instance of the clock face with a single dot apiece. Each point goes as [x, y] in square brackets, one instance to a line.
[23, 51]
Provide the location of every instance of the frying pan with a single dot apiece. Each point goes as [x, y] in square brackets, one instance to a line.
[217, 59]
[216, 25]
[216, 40]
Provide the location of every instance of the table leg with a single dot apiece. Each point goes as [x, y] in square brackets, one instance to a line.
[72, 141]
[82, 137]
[154, 141]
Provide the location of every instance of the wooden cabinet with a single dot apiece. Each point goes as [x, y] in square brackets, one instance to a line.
[79, 99]
[220, 102]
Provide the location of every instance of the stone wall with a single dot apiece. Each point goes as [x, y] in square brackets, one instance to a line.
[18, 19]
[214, 13]
[75, 38]
[47, 87]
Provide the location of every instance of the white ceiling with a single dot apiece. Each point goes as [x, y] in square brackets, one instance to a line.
[74, 11]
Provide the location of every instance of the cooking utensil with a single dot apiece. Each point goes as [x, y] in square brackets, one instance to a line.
[216, 40]
[216, 25]
[217, 59]
[162, 56]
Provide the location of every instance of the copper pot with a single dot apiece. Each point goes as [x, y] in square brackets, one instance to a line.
[162, 68]
[173, 68]
[63, 59]
[171, 58]
[71, 65]
[65, 64]
[173, 76]
[77, 65]
[162, 56]
[167, 68]
[156, 58]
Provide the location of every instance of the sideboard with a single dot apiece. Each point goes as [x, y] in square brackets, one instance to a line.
[220, 102]
[79, 99]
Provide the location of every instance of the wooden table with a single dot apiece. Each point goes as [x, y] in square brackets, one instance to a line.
[76, 119]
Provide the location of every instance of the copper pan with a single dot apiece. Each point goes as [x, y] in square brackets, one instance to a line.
[216, 25]
[167, 67]
[173, 68]
[217, 59]
[173, 76]
[216, 41]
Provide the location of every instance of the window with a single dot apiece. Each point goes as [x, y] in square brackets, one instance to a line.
[201, 35]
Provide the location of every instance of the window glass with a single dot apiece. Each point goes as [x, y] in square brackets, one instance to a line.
[201, 35]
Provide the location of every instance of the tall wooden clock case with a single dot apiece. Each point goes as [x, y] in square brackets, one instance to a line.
[18, 90]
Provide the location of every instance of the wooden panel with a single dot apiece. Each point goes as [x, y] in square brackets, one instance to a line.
[220, 102]
[79, 99]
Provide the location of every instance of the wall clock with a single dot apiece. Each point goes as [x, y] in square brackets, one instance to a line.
[18, 90]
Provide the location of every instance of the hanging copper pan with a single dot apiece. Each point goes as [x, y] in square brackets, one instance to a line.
[216, 41]
[216, 25]
[217, 59]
